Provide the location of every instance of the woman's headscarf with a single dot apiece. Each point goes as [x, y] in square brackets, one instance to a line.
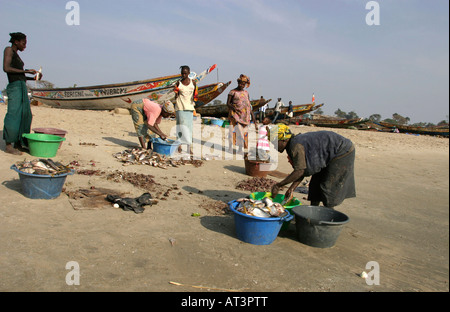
[284, 133]
[168, 107]
[245, 79]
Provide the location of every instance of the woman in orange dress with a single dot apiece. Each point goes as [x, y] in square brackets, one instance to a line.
[240, 114]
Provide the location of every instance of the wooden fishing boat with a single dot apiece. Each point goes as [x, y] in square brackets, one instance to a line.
[221, 110]
[256, 104]
[217, 111]
[209, 92]
[334, 123]
[298, 110]
[107, 97]
[440, 131]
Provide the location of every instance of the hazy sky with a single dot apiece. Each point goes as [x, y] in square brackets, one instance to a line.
[289, 48]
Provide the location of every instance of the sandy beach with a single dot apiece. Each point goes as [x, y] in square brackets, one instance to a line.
[400, 219]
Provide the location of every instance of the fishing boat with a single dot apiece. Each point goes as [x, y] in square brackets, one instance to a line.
[334, 123]
[298, 110]
[256, 104]
[108, 97]
[221, 110]
[209, 92]
[439, 131]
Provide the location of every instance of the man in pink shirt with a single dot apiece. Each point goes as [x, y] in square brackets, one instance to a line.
[147, 116]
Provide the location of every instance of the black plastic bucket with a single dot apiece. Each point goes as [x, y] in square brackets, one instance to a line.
[318, 226]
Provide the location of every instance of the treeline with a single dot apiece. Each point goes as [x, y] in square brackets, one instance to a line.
[396, 119]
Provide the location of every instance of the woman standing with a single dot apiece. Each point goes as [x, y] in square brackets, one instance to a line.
[18, 117]
[186, 92]
[239, 113]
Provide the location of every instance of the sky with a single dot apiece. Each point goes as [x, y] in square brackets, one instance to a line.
[290, 49]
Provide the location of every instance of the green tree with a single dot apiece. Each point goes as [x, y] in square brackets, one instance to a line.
[443, 123]
[351, 115]
[340, 113]
[391, 121]
[400, 120]
[375, 117]
[318, 111]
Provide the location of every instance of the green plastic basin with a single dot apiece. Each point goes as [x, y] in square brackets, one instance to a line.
[43, 145]
[278, 199]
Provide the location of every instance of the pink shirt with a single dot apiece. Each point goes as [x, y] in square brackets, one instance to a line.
[153, 112]
[263, 141]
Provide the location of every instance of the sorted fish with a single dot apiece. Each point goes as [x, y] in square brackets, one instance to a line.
[42, 167]
[148, 157]
[265, 208]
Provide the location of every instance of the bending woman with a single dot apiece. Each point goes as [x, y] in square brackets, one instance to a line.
[18, 117]
[147, 116]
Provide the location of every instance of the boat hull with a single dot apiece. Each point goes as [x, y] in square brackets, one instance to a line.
[436, 131]
[332, 123]
[108, 97]
[221, 111]
[298, 110]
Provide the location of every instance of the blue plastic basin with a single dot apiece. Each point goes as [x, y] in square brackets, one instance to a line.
[217, 122]
[40, 186]
[255, 230]
[167, 147]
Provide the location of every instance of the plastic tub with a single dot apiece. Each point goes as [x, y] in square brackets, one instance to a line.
[318, 226]
[216, 122]
[59, 132]
[255, 230]
[43, 145]
[278, 199]
[256, 168]
[38, 186]
[167, 147]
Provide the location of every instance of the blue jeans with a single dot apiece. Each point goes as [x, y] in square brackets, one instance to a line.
[276, 117]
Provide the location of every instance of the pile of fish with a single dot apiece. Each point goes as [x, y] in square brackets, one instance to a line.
[147, 157]
[264, 208]
[42, 167]
[144, 181]
[256, 184]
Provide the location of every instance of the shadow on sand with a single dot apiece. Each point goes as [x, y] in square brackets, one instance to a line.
[14, 185]
[221, 224]
[120, 142]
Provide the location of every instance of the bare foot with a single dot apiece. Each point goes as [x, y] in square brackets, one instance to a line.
[11, 150]
[21, 148]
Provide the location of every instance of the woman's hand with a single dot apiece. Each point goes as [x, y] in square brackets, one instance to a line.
[275, 190]
[289, 195]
